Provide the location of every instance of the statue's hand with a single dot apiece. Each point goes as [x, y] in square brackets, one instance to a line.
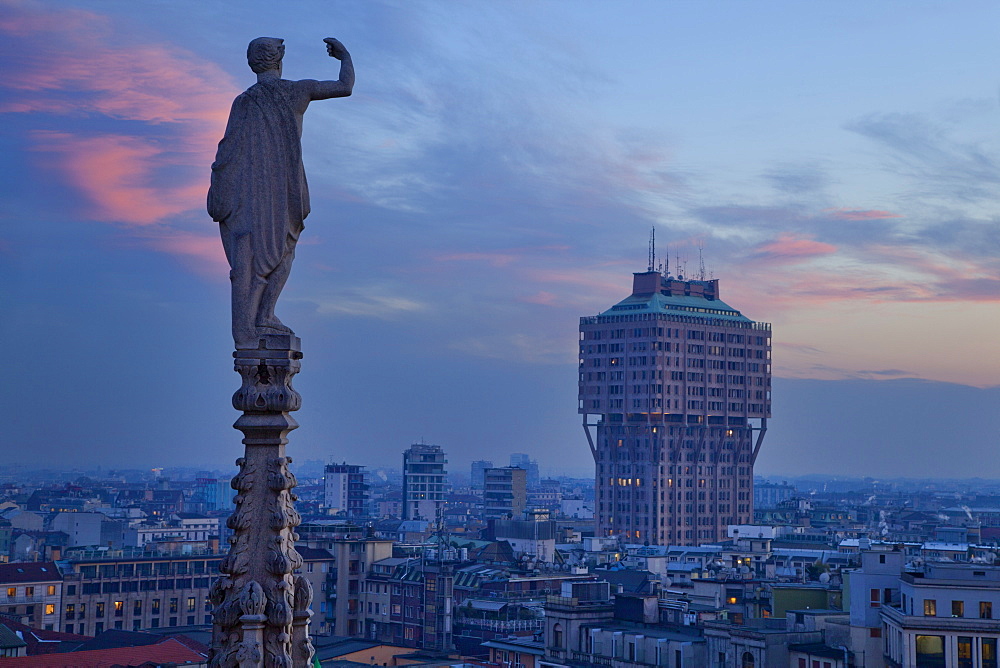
[335, 48]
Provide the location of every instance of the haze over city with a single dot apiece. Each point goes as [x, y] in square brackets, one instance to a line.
[493, 178]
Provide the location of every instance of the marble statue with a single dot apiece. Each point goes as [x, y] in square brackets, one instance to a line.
[259, 194]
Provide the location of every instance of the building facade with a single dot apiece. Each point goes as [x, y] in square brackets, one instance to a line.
[672, 380]
[31, 592]
[345, 490]
[424, 482]
[524, 461]
[135, 589]
[409, 602]
[505, 492]
[946, 616]
[478, 470]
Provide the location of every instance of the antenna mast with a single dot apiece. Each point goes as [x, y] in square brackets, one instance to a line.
[652, 248]
[701, 261]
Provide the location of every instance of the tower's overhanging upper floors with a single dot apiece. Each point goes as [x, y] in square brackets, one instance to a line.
[673, 351]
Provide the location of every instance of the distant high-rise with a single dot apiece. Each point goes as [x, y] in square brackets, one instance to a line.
[674, 377]
[345, 490]
[478, 468]
[212, 494]
[505, 492]
[523, 461]
[424, 482]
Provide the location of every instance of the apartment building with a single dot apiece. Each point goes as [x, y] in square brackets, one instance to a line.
[947, 616]
[505, 491]
[31, 592]
[136, 590]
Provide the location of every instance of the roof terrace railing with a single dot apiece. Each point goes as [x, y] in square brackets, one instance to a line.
[669, 317]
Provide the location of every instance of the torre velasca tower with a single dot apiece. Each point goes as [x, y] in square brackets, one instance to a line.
[675, 392]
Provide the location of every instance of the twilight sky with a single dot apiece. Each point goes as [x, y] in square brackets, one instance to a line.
[493, 178]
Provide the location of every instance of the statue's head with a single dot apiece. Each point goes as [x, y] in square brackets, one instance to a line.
[265, 53]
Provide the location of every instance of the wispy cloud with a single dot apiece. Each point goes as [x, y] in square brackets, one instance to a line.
[858, 214]
[940, 165]
[518, 347]
[885, 373]
[370, 302]
[166, 107]
[541, 298]
[788, 248]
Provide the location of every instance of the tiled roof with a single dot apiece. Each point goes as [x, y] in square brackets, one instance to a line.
[313, 553]
[9, 639]
[676, 305]
[113, 638]
[168, 651]
[29, 571]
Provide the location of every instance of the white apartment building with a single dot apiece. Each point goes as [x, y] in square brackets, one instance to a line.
[947, 618]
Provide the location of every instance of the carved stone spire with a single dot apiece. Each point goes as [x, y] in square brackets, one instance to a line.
[261, 611]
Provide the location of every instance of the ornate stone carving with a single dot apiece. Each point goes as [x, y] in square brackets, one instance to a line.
[252, 600]
[303, 594]
[267, 378]
[256, 619]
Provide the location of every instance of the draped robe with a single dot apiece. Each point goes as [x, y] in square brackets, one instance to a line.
[258, 181]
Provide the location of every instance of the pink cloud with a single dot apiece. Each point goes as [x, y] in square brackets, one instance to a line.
[118, 176]
[494, 259]
[152, 167]
[202, 253]
[862, 214]
[542, 298]
[789, 248]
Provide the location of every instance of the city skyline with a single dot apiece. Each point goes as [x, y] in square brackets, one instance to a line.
[496, 175]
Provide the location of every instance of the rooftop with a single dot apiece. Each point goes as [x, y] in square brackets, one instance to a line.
[168, 651]
[676, 305]
[29, 571]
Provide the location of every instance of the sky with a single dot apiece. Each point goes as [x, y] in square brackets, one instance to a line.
[494, 177]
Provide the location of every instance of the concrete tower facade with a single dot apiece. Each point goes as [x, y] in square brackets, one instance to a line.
[345, 490]
[675, 392]
[424, 482]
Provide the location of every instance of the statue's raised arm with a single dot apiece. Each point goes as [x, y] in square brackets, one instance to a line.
[259, 194]
[324, 90]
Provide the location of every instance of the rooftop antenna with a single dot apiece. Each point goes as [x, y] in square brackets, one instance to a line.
[652, 247]
[701, 261]
[677, 265]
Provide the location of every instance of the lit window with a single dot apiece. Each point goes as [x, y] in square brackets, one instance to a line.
[50, 608]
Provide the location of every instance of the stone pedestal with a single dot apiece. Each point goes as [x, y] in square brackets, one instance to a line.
[260, 606]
